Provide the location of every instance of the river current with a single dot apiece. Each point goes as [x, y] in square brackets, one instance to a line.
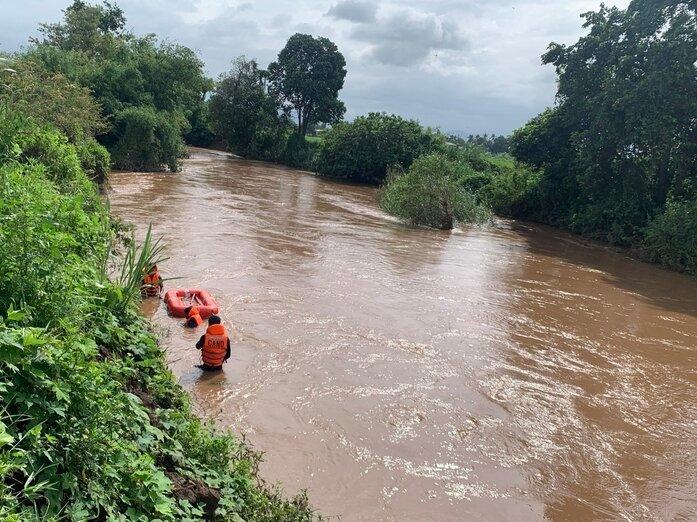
[507, 372]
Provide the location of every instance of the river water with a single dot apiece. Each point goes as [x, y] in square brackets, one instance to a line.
[511, 372]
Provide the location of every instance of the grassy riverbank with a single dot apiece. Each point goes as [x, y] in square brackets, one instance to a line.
[92, 423]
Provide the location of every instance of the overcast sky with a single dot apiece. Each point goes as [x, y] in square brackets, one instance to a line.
[462, 65]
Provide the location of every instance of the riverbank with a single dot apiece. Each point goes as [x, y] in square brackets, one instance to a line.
[92, 423]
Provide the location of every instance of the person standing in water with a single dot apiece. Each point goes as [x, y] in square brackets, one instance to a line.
[214, 345]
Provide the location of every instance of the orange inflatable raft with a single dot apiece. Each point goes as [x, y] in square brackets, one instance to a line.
[178, 300]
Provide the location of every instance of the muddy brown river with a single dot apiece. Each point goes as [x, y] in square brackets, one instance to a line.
[511, 372]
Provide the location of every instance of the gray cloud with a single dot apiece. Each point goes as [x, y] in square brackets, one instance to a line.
[354, 11]
[406, 38]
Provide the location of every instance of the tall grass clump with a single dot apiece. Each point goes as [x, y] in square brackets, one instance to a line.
[429, 194]
[93, 426]
[137, 261]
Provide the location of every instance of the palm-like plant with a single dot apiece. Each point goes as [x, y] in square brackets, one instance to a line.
[137, 262]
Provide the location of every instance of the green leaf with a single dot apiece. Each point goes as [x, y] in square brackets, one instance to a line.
[5, 438]
[15, 315]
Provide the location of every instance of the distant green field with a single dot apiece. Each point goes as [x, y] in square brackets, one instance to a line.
[313, 139]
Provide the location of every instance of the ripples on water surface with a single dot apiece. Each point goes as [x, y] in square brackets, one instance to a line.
[504, 373]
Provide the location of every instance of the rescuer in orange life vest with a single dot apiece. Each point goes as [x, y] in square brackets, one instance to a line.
[152, 282]
[193, 317]
[214, 345]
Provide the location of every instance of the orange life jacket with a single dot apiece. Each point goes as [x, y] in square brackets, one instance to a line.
[195, 315]
[152, 279]
[214, 345]
[151, 284]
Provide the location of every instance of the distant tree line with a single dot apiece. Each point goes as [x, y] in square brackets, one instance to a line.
[491, 142]
[614, 159]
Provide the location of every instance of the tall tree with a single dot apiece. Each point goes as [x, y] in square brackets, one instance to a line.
[88, 28]
[307, 77]
[149, 92]
[625, 124]
[243, 114]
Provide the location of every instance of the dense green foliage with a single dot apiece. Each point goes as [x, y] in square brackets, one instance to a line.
[501, 183]
[364, 149]
[245, 116]
[300, 151]
[146, 139]
[94, 160]
[50, 97]
[150, 93]
[429, 193]
[618, 154]
[307, 77]
[92, 424]
[462, 184]
[671, 237]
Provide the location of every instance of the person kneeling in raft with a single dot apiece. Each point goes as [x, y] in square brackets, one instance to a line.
[214, 346]
[193, 317]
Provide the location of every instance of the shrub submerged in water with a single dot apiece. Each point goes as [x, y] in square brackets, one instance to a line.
[429, 194]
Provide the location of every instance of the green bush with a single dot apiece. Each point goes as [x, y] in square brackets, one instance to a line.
[49, 97]
[429, 194]
[300, 152]
[147, 140]
[95, 160]
[364, 149]
[480, 160]
[59, 158]
[52, 149]
[474, 181]
[511, 192]
[267, 143]
[671, 238]
[46, 239]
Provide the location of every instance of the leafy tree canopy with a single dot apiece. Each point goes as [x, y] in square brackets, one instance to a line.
[307, 77]
[622, 140]
[88, 28]
[364, 149]
[242, 111]
[125, 73]
[28, 88]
